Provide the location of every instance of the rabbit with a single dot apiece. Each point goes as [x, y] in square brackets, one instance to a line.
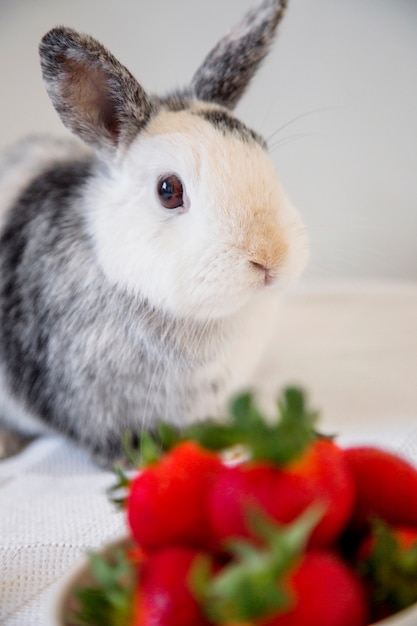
[143, 260]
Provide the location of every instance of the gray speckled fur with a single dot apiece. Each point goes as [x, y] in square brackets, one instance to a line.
[64, 55]
[228, 68]
[78, 354]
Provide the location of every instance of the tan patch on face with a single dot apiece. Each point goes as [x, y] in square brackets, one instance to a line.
[192, 131]
[253, 202]
[184, 122]
[241, 186]
[265, 246]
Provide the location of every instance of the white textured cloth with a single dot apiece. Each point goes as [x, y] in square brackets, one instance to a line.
[354, 348]
[53, 508]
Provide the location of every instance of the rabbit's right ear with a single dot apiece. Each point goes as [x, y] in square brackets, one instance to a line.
[228, 68]
[96, 97]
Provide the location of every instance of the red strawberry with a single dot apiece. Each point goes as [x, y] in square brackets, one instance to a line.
[325, 593]
[253, 583]
[283, 496]
[167, 502]
[386, 485]
[163, 597]
[319, 476]
[280, 584]
[323, 463]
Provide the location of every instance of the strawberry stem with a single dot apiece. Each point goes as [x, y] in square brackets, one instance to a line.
[391, 569]
[117, 493]
[110, 602]
[280, 442]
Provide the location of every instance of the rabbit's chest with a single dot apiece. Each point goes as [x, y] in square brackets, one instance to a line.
[234, 368]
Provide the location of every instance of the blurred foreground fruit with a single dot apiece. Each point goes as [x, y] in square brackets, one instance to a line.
[385, 484]
[167, 501]
[295, 532]
[324, 466]
[325, 593]
[163, 596]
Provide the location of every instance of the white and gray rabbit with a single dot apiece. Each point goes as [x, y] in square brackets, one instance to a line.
[139, 277]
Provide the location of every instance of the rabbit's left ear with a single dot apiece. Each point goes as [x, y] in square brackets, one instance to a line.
[96, 96]
[228, 68]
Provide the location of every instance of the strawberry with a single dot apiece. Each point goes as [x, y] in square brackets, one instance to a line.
[325, 593]
[249, 487]
[323, 463]
[277, 450]
[282, 584]
[166, 503]
[252, 584]
[320, 475]
[163, 596]
[385, 484]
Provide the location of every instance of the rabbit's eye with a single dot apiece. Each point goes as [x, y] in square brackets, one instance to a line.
[170, 191]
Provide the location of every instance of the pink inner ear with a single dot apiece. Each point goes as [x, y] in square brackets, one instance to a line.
[87, 91]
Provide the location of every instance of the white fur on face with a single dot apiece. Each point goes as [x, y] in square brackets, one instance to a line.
[198, 260]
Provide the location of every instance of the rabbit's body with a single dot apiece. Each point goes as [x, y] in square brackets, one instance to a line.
[117, 308]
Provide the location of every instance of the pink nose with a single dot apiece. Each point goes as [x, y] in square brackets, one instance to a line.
[268, 277]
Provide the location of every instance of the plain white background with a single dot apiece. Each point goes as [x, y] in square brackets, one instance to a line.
[337, 97]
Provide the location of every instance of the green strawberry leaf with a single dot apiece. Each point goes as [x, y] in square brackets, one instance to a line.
[117, 493]
[278, 442]
[109, 602]
[254, 583]
[391, 570]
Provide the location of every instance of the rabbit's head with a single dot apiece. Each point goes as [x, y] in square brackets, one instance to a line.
[185, 208]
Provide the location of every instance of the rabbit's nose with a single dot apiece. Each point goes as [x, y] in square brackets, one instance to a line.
[269, 277]
[268, 253]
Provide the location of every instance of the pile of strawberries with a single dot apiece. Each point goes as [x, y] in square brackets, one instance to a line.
[291, 531]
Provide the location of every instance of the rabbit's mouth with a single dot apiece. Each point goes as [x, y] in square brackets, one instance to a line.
[269, 279]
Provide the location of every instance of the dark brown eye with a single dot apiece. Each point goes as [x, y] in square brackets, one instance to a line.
[170, 191]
